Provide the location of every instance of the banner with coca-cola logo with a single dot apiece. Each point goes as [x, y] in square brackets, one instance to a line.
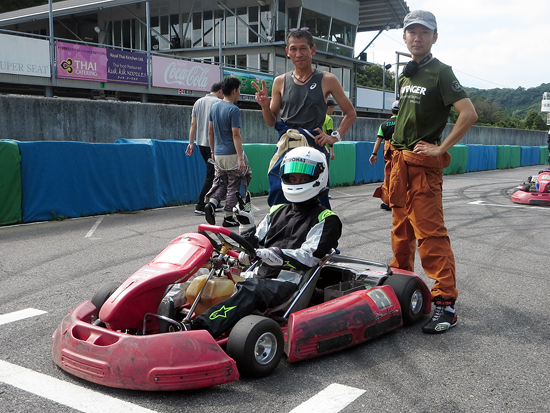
[183, 74]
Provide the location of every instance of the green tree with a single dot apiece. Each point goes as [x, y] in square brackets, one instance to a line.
[534, 121]
[372, 76]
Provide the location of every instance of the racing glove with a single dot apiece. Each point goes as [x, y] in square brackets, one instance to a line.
[243, 213]
[271, 256]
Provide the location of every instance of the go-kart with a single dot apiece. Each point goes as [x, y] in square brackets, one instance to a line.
[534, 191]
[135, 335]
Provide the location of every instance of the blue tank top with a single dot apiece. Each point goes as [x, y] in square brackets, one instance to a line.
[304, 106]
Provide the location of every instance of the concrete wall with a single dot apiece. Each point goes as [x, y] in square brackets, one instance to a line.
[25, 118]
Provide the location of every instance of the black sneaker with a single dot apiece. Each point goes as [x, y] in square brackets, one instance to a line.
[385, 206]
[199, 209]
[442, 319]
[210, 212]
[230, 222]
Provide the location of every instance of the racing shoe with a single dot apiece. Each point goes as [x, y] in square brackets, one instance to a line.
[230, 222]
[443, 318]
[210, 213]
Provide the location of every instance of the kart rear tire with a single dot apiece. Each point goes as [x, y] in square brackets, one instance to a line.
[256, 344]
[104, 293]
[410, 293]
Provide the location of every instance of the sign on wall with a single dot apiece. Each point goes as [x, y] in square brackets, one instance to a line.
[183, 74]
[24, 56]
[76, 61]
[246, 79]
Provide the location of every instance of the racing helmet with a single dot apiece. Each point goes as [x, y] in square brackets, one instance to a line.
[304, 160]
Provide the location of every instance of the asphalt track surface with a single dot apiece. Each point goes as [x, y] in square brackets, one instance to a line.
[495, 360]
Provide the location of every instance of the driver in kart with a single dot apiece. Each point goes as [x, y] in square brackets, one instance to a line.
[290, 240]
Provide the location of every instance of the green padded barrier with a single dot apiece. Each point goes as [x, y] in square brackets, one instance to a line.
[10, 183]
[259, 155]
[504, 156]
[459, 160]
[543, 160]
[342, 168]
[515, 156]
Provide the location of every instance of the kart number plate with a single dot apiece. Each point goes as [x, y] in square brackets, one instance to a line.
[545, 177]
[380, 298]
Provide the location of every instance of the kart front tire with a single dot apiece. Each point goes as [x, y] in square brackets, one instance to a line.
[410, 293]
[104, 293]
[256, 344]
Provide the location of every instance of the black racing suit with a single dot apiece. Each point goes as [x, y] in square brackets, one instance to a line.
[302, 234]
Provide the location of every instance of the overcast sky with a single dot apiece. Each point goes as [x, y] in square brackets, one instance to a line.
[489, 43]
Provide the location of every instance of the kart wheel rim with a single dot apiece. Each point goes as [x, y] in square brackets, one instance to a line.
[266, 348]
[417, 302]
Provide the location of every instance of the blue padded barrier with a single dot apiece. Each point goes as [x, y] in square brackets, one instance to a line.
[476, 158]
[481, 158]
[530, 155]
[364, 171]
[73, 179]
[179, 177]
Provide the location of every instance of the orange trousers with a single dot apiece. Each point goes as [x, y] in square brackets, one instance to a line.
[413, 188]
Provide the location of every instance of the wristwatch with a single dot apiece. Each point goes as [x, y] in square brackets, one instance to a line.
[336, 135]
[375, 154]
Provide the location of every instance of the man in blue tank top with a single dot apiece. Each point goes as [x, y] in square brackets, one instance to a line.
[300, 97]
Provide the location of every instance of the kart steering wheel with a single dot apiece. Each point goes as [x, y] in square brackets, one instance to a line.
[223, 234]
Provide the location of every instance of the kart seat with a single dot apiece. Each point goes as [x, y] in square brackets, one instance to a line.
[301, 298]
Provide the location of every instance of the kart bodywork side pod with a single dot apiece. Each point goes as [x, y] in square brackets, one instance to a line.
[342, 322]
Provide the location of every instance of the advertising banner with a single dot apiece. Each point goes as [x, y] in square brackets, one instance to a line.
[126, 67]
[76, 61]
[183, 74]
[246, 79]
[24, 56]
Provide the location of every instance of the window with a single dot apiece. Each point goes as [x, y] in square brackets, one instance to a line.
[208, 30]
[230, 28]
[197, 29]
[242, 61]
[186, 28]
[230, 61]
[265, 21]
[253, 23]
[280, 65]
[218, 24]
[175, 39]
[242, 29]
[317, 24]
[264, 62]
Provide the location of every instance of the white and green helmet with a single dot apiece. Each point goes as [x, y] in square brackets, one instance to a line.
[304, 160]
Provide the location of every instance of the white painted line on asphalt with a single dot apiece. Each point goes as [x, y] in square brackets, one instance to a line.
[482, 203]
[67, 394]
[20, 315]
[92, 230]
[330, 400]
[341, 192]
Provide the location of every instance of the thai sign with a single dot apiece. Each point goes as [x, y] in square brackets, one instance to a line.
[76, 61]
[24, 56]
[183, 74]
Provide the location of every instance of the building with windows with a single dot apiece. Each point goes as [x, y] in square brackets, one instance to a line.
[244, 38]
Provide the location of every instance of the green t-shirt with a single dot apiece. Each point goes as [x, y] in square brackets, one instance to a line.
[329, 124]
[425, 102]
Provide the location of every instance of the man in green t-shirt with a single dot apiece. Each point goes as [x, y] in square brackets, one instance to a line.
[416, 159]
[328, 126]
[385, 132]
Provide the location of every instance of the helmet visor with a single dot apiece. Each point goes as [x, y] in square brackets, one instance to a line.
[300, 166]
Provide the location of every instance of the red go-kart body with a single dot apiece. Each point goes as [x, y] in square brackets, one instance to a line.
[534, 191]
[343, 302]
